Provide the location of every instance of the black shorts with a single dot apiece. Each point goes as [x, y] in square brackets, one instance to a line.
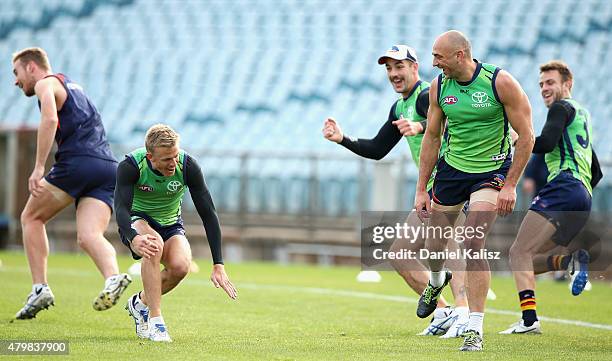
[566, 203]
[166, 232]
[452, 186]
[466, 205]
[83, 176]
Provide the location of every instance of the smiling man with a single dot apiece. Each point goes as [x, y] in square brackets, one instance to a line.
[562, 207]
[408, 119]
[151, 183]
[479, 102]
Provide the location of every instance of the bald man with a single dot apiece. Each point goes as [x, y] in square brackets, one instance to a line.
[479, 102]
[408, 118]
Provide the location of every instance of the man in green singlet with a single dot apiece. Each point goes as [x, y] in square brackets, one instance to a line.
[408, 119]
[151, 183]
[479, 102]
[562, 207]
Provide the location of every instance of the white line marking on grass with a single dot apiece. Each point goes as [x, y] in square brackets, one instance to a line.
[328, 292]
[403, 299]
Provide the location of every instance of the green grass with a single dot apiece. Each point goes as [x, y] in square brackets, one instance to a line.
[280, 315]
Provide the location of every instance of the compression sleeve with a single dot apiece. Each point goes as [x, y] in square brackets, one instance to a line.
[559, 114]
[379, 146]
[422, 106]
[194, 179]
[127, 176]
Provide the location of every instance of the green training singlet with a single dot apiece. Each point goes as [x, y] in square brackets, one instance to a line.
[158, 196]
[478, 132]
[574, 151]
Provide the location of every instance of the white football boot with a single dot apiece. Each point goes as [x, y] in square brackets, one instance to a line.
[38, 300]
[519, 327]
[113, 289]
[141, 316]
[159, 333]
[442, 319]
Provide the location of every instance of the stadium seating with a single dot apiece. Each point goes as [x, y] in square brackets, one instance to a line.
[260, 76]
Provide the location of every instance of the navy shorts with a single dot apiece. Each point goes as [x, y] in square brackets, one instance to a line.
[466, 205]
[83, 176]
[166, 232]
[452, 186]
[566, 203]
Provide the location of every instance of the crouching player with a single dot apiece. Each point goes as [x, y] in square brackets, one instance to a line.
[151, 182]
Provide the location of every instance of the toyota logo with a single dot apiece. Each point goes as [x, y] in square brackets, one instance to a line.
[480, 97]
[174, 186]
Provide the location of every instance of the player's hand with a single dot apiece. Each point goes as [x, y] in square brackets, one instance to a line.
[422, 204]
[332, 131]
[34, 182]
[219, 279]
[506, 200]
[408, 128]
[145, 245]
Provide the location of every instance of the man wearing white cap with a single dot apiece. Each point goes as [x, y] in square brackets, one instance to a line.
[407, 118]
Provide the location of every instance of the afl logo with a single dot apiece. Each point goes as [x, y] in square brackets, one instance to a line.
[145, 188]
[174, 186]
[450, 100]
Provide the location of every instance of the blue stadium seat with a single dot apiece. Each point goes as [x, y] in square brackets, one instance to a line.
[264, 79]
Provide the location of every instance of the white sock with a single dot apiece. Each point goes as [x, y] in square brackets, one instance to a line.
[38, 286]
[157, 320]
[442, 312]
[476, 319]
[110, 279]
[463, 312]
[437, 278]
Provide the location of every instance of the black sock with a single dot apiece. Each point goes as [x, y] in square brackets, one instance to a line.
[528, 306]
[558, 262]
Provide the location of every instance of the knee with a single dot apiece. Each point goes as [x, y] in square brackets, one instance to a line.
[517, 252]
[156, 258]
[28, 216]
[474, 244]
[86, 238]
[160, 246]
[179, 269]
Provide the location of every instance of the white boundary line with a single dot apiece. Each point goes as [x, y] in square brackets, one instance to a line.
[375, 296]
[328, 292]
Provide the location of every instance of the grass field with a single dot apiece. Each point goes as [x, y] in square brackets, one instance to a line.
[292, 313]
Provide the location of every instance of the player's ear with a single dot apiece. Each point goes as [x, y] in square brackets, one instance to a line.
[30, 66]
[149, 156]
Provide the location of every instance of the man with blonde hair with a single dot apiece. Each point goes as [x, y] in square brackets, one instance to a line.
[84, 173]
[151, 183]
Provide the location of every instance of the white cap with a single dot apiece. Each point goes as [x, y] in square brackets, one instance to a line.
[399, 52]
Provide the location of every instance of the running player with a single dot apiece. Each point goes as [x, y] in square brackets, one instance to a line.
[562, 206]
[151, 183]
[479, 102]
[83, 173]
[408, 118]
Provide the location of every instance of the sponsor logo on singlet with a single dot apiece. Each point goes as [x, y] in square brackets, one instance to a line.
[480, 100]
[74, 86]
[174, 186]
